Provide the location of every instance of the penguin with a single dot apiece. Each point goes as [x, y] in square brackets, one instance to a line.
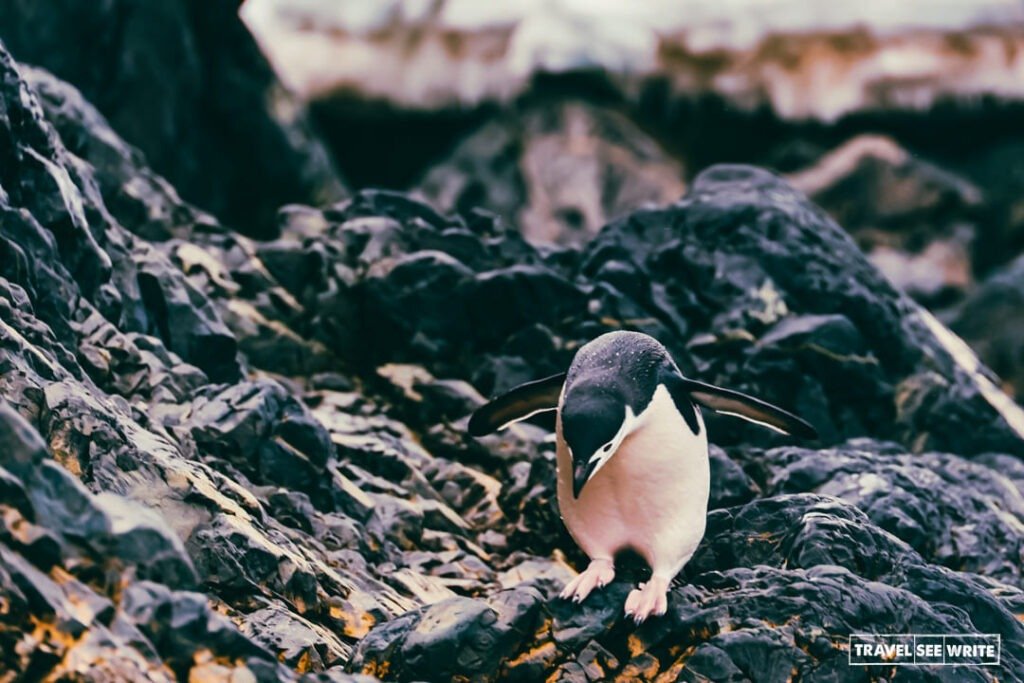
[632, 456]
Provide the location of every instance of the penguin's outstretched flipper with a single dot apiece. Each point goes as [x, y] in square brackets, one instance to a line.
[729, 402]
[524, 401]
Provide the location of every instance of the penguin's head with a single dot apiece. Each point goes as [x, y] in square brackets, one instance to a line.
[594, 424]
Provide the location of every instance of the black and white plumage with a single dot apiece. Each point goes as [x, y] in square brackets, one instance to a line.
[633, 470]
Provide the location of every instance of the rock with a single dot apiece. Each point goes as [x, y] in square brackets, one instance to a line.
[547, 576]
[79, 642]
[135, 195]
[182, 626]
[189, 325]
[728, 234]
[989, 321]
[301, 645]
[264, 433]
[22, 448]
[996, 168]
[187, 85]
[777, 325]
[96, 537]
[949, 509]
[759, 601]
[117, 426]
[104, 528]
[730, 485]
[458, 637]
[916, 222]
[336, 675]
[558, 172]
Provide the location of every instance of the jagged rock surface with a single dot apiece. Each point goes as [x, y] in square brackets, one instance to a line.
[227, 458]
[184, 81]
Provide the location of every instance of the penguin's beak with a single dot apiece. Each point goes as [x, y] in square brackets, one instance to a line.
[581, 474]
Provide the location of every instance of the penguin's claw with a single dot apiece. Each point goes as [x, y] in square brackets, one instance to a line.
[598, 574]
[648, 599]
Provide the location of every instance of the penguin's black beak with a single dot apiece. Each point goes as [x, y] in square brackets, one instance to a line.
[581, 473]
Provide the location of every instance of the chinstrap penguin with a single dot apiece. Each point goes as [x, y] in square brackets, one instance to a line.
[632, 454]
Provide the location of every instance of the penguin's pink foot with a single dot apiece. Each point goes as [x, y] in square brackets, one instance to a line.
[598, 574]
[650, 598]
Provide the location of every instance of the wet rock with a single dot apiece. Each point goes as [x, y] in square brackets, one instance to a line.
[97, 538]
[730, 485]
[113, 495]
[433, 400]
[547, 576]
[337, 675]
[596, 661]
[997, 169]
[135, 195]
[103, 527]
[779, 327]
[299, 644]
[728, 234]
[77, 635]
[769, 610]
[186, 320]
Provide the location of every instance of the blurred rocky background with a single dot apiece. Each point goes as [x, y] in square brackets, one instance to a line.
[902, 120]
[256, 269]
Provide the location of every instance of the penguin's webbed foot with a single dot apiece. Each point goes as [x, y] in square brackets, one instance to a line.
[598, 574]
[650, 598]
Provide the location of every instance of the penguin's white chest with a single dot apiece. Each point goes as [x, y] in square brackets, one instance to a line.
[650, 496]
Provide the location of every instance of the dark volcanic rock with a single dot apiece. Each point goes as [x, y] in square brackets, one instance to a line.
[77, 360]
[229, 460]
[264, 433]
[749, 285]
[184, 82]
[102, 540]
[754, 288]
[452, 639]
[746, 243]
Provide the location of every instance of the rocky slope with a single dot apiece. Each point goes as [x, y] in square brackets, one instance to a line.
[185, 83]
[227, 459]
